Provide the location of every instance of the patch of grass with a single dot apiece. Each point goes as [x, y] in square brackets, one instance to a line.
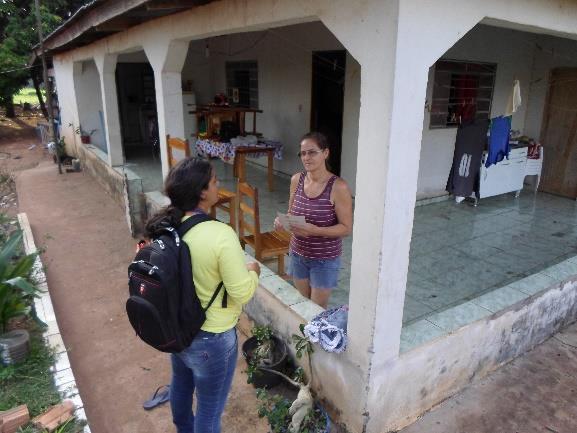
[31, 383]
[27, 94]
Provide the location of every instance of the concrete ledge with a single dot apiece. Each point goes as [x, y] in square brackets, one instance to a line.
[495, 302]
[61, 370]
[121, 183]
[431, 372]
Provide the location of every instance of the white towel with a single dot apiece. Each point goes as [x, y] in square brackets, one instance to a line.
[514, 99]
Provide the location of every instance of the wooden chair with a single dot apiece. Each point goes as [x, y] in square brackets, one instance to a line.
[239, 165]
[227, 203]
[178, 144]
[273, 244]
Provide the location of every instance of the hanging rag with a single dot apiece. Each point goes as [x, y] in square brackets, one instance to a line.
[514, 99]
[498, 140]
[469, 145]
[329, 329]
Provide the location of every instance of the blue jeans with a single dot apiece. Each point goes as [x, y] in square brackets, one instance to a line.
[206, 366]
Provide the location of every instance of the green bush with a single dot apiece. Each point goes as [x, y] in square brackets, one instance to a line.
[16, 289]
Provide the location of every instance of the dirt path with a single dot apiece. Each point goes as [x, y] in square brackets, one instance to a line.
[19, 150]
[88, 247]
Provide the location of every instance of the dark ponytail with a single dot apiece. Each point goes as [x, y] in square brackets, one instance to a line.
[183, 186]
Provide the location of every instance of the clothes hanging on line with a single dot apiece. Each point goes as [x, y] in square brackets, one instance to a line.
[498, 148]
[514, 101]
[469, 145]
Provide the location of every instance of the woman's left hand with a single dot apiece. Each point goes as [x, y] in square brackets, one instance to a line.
[304, 230]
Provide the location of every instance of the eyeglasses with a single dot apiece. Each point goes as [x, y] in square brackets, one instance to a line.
[311, 152]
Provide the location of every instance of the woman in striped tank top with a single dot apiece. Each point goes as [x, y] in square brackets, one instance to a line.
[325, 201]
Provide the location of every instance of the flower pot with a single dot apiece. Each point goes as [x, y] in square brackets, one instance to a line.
[85, 139]
[263, 378]
[14, 346]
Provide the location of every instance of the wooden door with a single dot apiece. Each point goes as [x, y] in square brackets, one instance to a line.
[327, 102]
[559, 135]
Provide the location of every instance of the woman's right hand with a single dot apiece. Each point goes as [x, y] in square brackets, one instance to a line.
[253, 266]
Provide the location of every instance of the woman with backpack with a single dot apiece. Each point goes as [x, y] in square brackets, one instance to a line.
[207, 365]
[324, 199]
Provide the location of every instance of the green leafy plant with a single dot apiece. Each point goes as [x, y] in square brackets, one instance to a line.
[302, 415]
[79, 131]
[302, 344]
[277, 410]
[263, 354]
[16, 289]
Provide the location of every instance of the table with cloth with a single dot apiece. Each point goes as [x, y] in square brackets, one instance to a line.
[238, 148]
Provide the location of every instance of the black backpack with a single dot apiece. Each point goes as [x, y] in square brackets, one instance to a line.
[163, 307]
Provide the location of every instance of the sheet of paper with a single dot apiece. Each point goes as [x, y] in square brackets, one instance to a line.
[288, 220]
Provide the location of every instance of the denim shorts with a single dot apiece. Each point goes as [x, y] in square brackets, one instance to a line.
[321, 273]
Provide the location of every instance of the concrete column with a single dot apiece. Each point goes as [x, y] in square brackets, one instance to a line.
[64, 73]
[400, 172]
[106, 64]
[167, 59]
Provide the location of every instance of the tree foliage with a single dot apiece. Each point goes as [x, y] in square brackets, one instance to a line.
[18, 34]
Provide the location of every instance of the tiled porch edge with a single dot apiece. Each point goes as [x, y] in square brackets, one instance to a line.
[497, 301]
[61, 370]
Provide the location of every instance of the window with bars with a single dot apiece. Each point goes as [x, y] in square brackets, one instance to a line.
[242, 84]
[462, 91]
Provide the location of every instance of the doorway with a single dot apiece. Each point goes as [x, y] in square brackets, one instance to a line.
[139, 122]
[559, 135]
[328, 90]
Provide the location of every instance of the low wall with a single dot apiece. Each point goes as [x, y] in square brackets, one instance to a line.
[425, 376]
[122, 184]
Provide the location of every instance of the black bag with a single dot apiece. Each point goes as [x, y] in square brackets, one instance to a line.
[163, 307]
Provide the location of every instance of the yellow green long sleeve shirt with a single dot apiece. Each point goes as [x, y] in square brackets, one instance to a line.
[217, 256]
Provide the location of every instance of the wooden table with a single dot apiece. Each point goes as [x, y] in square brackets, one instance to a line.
[237, 153]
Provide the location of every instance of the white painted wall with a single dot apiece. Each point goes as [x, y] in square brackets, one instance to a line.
[89, 100]
[284, 57]
[512, 51]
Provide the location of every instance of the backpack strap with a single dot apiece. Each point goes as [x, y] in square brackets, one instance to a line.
[216, 292]
[183, 228]
[191, 221]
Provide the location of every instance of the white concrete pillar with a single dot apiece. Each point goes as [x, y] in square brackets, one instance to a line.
[106, 64]
[400, 170]
[65, 73]
[167, 59]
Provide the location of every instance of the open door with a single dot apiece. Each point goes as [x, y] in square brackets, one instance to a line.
[328, 91]
[559, 135]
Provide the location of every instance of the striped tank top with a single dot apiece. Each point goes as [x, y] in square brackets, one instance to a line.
[319, 211]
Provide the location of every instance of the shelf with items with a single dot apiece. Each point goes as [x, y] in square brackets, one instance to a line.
[209, 119]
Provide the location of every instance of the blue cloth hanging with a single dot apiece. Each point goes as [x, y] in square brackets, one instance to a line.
[498, 140]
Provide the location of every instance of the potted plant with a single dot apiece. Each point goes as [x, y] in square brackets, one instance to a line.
[302, 415]
[16, 293]
[84, 135]
[264, 353]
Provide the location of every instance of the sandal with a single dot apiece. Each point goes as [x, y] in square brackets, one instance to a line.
[160, 396]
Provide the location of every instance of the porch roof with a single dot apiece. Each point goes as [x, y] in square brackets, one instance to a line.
[101, 18]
